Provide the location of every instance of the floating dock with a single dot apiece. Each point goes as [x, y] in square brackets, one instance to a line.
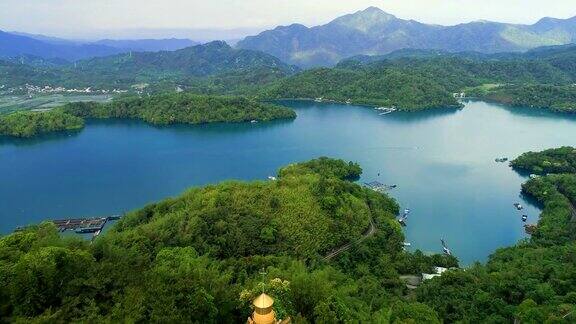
[84, 225]
[379, 187]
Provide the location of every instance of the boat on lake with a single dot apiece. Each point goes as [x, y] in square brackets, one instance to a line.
[385, 110]
[445, 247]
[518, 206]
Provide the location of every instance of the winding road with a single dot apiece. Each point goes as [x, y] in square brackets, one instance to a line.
[371, 230]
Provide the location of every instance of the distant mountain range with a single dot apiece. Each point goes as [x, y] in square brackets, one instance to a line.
[374, 32]
[148, 45]
[50, 48]
[226, 66]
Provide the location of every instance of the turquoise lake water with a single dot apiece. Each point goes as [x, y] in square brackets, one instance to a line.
[441, 160]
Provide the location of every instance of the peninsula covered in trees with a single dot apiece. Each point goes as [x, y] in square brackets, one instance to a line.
[204, 255]
[182, 108]
[30, 123]
[199, 257]
[558, 98]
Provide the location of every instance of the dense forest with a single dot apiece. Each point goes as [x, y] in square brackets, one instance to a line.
[386, 87]
[214, 66]
[202, 256]
[30, 123]
[182, 108]
[561, 160]
[408, 80]
[553, 97]
[412, 83]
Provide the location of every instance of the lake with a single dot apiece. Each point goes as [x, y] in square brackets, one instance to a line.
[441, 160]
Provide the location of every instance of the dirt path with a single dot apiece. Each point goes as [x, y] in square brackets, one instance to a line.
[371, 230]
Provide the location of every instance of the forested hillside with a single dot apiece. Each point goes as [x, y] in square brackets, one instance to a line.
[411, 83]
[209, 68]
[29, 124]
[182, 108]
[553, 97]
[204, 255]
[200, 257]
[173, 108]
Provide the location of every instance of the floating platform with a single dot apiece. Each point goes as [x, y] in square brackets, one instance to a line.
[84, 225]
[379, 187]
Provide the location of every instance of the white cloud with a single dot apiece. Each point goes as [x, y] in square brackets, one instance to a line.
[90, 18]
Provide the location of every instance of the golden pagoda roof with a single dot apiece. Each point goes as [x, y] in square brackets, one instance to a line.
[263, 301]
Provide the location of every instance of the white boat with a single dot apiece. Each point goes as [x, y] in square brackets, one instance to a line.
[272, 178]
[386, 110]
[318, 99]
[253, 121]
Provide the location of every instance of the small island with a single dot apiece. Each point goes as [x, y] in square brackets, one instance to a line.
[164, 109]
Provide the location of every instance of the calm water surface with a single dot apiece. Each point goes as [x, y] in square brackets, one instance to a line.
[442, 161]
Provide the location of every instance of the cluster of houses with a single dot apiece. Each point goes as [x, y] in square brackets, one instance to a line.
[412, 282]
[48, 89]
[32, 89]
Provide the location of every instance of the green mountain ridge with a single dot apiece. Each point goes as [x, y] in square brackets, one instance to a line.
[193, 66]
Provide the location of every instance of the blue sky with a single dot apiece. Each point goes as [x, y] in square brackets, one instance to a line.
[158, 18]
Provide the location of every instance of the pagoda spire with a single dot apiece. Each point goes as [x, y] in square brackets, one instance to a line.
[263, 311]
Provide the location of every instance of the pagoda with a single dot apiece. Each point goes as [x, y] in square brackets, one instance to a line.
[263, 311]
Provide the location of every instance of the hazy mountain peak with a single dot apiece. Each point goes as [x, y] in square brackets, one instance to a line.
[372, 31]
[365, 20]
[216, 44]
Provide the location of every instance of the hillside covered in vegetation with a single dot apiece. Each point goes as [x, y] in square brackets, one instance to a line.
[203, 256]
[183, 108]
[214, 68]
[558, 98]
[378, 87]
[425, 81]
[164, 109]
[409, 79]
[29, 123]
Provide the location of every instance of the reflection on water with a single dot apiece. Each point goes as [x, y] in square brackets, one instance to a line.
[441, 160]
